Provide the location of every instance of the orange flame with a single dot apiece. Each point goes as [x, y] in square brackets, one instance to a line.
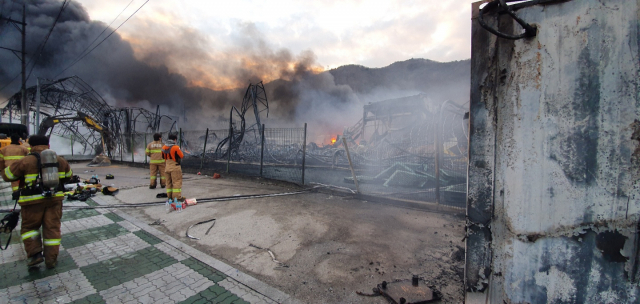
[333, 140]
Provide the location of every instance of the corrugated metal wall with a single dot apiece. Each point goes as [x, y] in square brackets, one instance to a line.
[553, 204]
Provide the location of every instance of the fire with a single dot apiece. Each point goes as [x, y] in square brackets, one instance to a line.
[333, 140]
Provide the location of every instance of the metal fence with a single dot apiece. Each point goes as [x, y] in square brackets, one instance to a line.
[427, 165]
[280, 157]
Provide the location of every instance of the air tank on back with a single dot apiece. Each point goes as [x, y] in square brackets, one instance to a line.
[50, 177]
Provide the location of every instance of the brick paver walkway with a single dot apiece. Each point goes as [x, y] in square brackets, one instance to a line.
[105, 258]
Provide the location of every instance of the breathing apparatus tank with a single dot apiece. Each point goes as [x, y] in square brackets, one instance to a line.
[50, 177]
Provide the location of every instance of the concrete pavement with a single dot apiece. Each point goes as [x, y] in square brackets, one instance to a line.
[107, 256]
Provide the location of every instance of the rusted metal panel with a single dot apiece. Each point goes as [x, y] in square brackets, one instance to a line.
[553, 181]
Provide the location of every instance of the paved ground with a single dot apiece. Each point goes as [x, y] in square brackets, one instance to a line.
[108, 257]
[332, 246]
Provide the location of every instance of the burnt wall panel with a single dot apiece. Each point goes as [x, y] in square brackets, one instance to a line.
[481, 161]
[555, 117]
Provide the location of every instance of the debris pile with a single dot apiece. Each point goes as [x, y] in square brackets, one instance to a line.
[82, 190]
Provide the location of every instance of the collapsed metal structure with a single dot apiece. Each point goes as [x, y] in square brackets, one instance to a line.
[66, 97]
[254, 98]
[409, 145]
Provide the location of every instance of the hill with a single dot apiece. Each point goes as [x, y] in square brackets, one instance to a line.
[442, 80]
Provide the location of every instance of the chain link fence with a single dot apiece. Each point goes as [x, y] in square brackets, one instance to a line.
[283, 154]
[419, 165]
[280, 158]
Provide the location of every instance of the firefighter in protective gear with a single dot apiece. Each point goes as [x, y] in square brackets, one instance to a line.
[39, 209]
[25, 142]
[10, 154]
[156, 164]
[173, 156]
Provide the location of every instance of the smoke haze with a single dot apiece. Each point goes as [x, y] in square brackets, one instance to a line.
[180, 69]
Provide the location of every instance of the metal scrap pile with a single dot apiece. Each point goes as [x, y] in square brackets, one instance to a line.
[396, 143]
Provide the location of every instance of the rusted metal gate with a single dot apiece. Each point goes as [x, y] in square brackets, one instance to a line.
[553, 199]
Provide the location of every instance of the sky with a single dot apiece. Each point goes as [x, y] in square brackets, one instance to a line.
[198, 56]
[369, 33]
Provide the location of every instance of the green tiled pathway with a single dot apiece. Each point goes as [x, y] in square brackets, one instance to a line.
[104, 259]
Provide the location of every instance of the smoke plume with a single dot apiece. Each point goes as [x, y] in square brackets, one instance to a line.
[182, 70]
[179, 70]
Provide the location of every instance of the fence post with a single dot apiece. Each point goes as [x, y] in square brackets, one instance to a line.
[71, 146]
[353, 172]
[262, 150]
[204, 149]
[132, 159]
[180, 139]
[230, 139]
[304, 152]
[437, 159]
[145, 147]
[121, 146]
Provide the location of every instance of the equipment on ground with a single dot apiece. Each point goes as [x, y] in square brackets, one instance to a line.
[199, 223]
[110, 190]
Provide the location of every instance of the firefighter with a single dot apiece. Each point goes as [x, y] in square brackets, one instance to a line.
[10, 154]
[173, 156]
[41, 206]
[25, 142]
[156, 165]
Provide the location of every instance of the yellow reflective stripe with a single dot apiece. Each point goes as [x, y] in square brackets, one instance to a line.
[153, 177]
[14, 188]
[155, 151]
[177, 190]
[61, 175]
[30, 177]
[1, 156]
[9, 175]
[68, 174]
[13, 157]
[169, 190]
[30, 234]
[37, 197]
[29, 149]
[52, 242]
[157, 161]
[146, 150]
[162, 177]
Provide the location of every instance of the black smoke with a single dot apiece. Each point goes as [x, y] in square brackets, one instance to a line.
[181, 70]
[123, 79]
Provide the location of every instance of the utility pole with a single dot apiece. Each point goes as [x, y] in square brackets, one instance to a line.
[37, 105]
[24, 112]
[24, 118]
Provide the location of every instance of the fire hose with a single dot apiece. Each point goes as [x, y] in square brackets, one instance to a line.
[199, 223]
[203, 200]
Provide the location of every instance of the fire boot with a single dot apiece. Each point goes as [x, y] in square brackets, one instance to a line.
[51, 265]
[36, 259]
